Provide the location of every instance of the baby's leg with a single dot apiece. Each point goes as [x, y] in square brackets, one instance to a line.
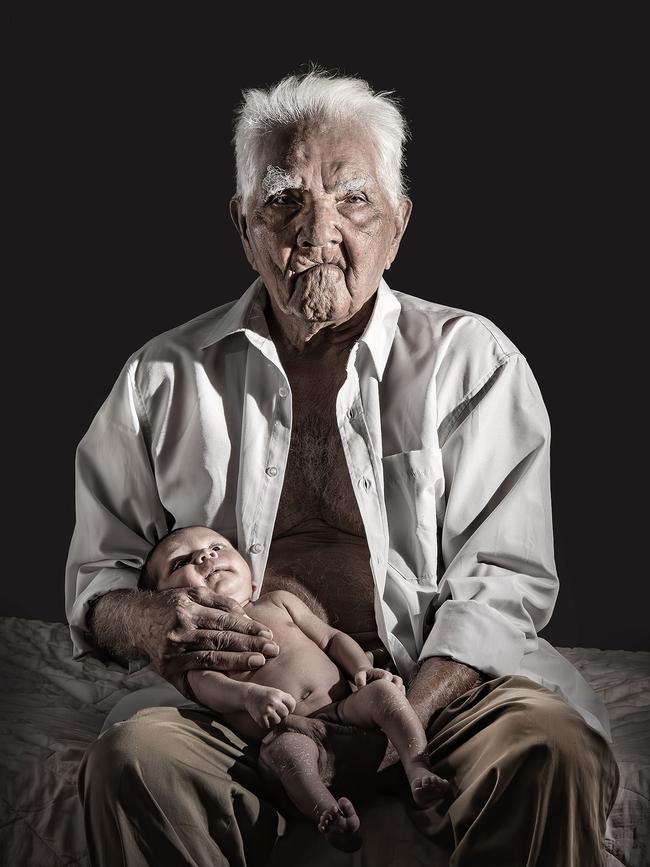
[293, 758]
[383, 704]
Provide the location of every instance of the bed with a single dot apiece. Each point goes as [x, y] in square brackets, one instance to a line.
[54, 707]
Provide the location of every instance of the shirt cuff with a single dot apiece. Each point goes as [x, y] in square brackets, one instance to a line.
[104, 580]
[473, 633]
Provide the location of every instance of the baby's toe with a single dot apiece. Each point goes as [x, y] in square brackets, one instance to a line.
[346, 808]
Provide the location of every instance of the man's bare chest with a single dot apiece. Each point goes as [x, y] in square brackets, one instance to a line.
[317, 483]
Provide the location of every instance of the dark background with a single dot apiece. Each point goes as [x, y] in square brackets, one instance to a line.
[522, 175]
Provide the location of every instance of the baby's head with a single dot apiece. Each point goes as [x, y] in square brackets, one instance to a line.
[197, 557]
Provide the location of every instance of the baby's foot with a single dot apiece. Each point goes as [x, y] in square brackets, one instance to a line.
[428, 787]
[341, 826]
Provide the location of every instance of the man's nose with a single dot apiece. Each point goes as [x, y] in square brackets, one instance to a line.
[318, 226]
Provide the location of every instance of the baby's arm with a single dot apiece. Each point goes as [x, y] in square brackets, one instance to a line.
[265, 704]
[341, 648]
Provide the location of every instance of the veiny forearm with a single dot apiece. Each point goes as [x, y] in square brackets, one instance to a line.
[438, 682]
[116, 623]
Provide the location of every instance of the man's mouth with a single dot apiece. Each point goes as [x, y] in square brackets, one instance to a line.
[302, 263]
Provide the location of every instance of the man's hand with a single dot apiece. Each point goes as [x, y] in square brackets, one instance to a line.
[367, 675]
[181, 629]
[268, 706]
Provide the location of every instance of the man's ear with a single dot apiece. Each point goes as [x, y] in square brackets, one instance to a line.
[239, 219]
[402, 216]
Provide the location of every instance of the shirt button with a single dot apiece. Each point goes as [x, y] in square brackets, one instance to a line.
[283, 391]
[256, 548]
[365, 483]
[351, 413]
[271, 471]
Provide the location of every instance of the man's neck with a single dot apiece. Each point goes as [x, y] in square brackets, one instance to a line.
[295, 343]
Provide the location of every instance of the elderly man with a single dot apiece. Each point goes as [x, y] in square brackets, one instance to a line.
[383, 457]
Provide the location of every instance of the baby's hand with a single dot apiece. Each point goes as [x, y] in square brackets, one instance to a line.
[269, 706]
[366, 675]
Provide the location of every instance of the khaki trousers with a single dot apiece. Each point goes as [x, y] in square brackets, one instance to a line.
[533, 785]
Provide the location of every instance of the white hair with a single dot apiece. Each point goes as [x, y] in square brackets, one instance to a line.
[314, 96]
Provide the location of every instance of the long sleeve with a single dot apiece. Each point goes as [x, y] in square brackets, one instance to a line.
[499, 584]
[118, 510]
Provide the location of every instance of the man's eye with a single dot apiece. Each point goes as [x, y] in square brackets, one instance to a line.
[282, 199]
[178, 564]
[355, 198]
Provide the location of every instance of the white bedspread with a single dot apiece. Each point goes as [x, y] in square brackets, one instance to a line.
[53, 708]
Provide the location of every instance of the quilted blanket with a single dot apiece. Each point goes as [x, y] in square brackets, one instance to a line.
[53, 708]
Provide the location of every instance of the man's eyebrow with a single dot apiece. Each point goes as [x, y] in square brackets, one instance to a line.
[277, 179]
[351, 185]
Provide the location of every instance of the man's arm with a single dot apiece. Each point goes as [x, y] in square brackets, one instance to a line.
[500, 584]
[162, 626]
[438, 682]
[119, 517]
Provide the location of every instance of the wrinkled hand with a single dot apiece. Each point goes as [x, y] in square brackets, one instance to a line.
[194, 627]
[367, 675]
[269, 706]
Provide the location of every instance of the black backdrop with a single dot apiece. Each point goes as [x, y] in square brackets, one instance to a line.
[123, 170]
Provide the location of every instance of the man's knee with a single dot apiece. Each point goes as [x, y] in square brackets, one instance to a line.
[540, 723]
[125, 748]
[148, 747]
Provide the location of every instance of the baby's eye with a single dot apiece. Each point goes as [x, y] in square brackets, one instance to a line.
[178, 564]
[217, 546]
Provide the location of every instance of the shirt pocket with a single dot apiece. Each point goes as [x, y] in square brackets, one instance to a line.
[414, 494]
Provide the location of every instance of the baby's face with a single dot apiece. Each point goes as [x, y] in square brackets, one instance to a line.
[200, 557]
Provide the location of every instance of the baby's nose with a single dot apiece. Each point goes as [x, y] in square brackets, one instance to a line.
[205, 554]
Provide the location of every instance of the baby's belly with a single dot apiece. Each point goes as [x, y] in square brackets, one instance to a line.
[304, 671]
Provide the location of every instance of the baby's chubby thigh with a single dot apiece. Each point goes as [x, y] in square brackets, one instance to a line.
[371, 705]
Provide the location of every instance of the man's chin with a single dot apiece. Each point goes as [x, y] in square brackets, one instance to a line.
[320, 296]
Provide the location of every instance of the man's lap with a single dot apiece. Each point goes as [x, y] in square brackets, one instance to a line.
[488, 721]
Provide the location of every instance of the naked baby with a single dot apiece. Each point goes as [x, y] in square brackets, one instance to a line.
[309, 677]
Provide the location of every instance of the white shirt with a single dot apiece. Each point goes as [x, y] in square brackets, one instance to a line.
[447, 442]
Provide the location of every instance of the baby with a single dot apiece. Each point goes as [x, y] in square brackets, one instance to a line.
[309, 677]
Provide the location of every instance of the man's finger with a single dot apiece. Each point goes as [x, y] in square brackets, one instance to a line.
[230, 642]
[215, 661]
[207, 597]
[209, 618]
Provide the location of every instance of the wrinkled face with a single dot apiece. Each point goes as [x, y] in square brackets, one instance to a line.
[200, 557]
[319, 227]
